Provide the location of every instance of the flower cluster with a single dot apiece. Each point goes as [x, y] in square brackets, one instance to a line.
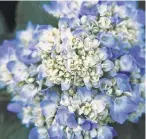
[73, 81]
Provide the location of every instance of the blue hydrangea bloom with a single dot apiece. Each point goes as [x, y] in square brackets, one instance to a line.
[122, 106]
[74, 80]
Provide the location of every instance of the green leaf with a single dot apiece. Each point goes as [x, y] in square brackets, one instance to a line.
[2, 24]
[10, 125]
[3, 30]
[33, 11]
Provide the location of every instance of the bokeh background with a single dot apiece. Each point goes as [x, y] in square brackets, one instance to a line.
[14, 15]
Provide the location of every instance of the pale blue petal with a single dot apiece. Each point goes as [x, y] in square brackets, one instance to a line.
[118, 117]
[74, 23]
[62, 115]
[48, 108]
[123, 82]
[124, 104]
[105, 132]
[65, 85]
[105, 83]
[71, 121]
[14, 107]
[63, 22]
[55, 132]
[49, 83]
[84, 94]
[28, 91]
[136, 54]
[34, 133]
[53, 95]
[107, 65]
[28, 56]
[32, 70]
[87, 8]
[88, 125]
[126, 63]
[18, 69]
[107, 40]
[121, 108]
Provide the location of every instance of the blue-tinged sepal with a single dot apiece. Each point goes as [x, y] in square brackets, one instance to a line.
[28, 91]
[34, 133]
[71, 121]
[15, 107]
[106, 132]
[55, 132]
[122, 81]
[121, 108]
[107, 40]
[48, 108]
[18, 69]
[126, 63]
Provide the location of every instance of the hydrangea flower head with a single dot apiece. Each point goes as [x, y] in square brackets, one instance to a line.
[75, 80]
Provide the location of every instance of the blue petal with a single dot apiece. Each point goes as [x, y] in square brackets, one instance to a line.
[84, 94]
[126, 63]
[107, 40]
[140, 61]
[79, 33]
[55, 132]
[28, 56]
[105, 83]
[28, 91]
[123, 82]
[127, 3]
[105, 132]
[115, 19]
[141, 16]
[135, 52]
[34, 133]
[124, 104]
[44, 27]
[136, 95]
[42, 74]
[48, 108]
[113, 131]
[48, 82]
[7, 51]
[52, 95]
[121, 108]
[87, 8]
[14, 107]
[135, 116]
[52, 7]
[33, 70]
[116, 53]
[71, 121]
[12, 66]
[65, 85]
[63, 22]
[19, 70]
[88, 125]
[57, 8]
[107, 65]
[62, 114]
[118, 117]
[74, 22]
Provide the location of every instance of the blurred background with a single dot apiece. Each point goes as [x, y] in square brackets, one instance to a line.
[13, 16]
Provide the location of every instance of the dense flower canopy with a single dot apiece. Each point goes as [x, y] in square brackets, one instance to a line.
[74, 81]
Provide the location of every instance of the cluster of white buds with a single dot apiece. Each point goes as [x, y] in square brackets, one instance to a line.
[72, 60]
